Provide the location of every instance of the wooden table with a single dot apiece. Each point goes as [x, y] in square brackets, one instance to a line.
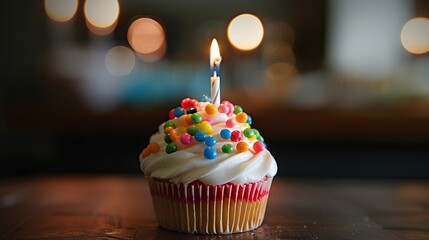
[119, 207]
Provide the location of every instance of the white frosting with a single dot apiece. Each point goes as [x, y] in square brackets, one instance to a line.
[188, 163]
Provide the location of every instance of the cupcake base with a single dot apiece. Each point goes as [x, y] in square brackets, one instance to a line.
[210, 209]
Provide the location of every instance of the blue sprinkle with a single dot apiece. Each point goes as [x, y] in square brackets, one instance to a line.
[225, 133]
[210, 153]
[179, 111]
[210, 141]
[205, 98]
[249, 120]
[200, 136]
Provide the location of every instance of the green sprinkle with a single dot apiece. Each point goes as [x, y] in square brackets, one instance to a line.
[171, 148]
[167, 138]
[192, 130]
[227, 148]
[169, 124]
[237, 109]
[256, 132]
[249, 133]
[196, 118]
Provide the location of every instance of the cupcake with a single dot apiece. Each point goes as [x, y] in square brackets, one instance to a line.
[209, 172]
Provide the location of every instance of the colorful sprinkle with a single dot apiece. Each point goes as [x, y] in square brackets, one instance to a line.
[185, 138]
[179, 111]
[256, 132]
[242, 147]
[236, 136]
[227, 148]
[205, 127]
[241, 117]
[173, 135]
[193, 103]
[205, 98]
[192, 130]
[181, 130]
[188, 119]
[249, 120]
[249, 133]
[223, 108]
[237, 109]
[258, 146]
[167, 138]
[184, 103]
[211, 109]
[200, 136]
[168, 129]
[210, 120]
[190, 122]
[169, 124]
[171, 114]
[191, 110]
[230, 123]
[210, 141]
[153, 147]
[171, 148]
[145, 153]
[210, 153]
[230, 106]
[196, 118]
[225, 134]
[252, 138]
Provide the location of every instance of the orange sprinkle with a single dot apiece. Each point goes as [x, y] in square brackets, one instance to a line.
[173, 135]
[188, 119]
[168, 129]
[241, 117]
[153, 147]
[242, 147]
[211, 109]
[145, 153]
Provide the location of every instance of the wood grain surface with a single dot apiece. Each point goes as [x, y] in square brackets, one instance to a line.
[120, 207]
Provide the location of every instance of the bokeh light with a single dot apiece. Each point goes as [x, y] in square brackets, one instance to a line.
[120, 60]
[415, 35]
[245, 32]
[101, 15]
[61, 10]
[154, 56]
[146, 36]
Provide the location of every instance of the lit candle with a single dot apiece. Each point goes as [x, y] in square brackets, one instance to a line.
[215, 60]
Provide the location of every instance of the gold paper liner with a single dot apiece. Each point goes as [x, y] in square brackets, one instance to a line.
[191, 209]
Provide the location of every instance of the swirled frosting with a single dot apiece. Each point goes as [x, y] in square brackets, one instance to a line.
[184, 160]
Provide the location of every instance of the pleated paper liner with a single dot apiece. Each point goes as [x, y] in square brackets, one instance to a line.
[210, 209]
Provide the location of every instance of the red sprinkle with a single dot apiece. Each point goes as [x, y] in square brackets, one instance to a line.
[184, 103]
[171, 114]
[236, 136]
[258, 146]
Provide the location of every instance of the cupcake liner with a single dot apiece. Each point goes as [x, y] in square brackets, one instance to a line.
[209, 209]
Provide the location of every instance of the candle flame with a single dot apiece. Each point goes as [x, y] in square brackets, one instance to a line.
[215, 57]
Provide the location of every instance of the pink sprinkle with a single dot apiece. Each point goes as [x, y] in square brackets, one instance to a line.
[229, 105]
[258, 146]
[185, 138]
[230, 123]
[208, 120]
[223, 108]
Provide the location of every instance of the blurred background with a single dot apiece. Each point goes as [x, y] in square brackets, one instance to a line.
[338, 88]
